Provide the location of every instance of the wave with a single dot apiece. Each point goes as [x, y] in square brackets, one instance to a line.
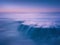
[41, 34]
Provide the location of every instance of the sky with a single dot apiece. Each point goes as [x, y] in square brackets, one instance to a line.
[29, 6]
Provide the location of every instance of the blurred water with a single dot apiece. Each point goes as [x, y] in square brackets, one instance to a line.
[42, 36]
[9, 34]
[13, 33]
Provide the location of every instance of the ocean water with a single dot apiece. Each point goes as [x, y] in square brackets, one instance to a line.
[30, 28]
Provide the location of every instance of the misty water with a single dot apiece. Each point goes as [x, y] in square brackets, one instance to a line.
[14, 30]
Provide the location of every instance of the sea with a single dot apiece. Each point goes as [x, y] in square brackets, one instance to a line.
[15, 32]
